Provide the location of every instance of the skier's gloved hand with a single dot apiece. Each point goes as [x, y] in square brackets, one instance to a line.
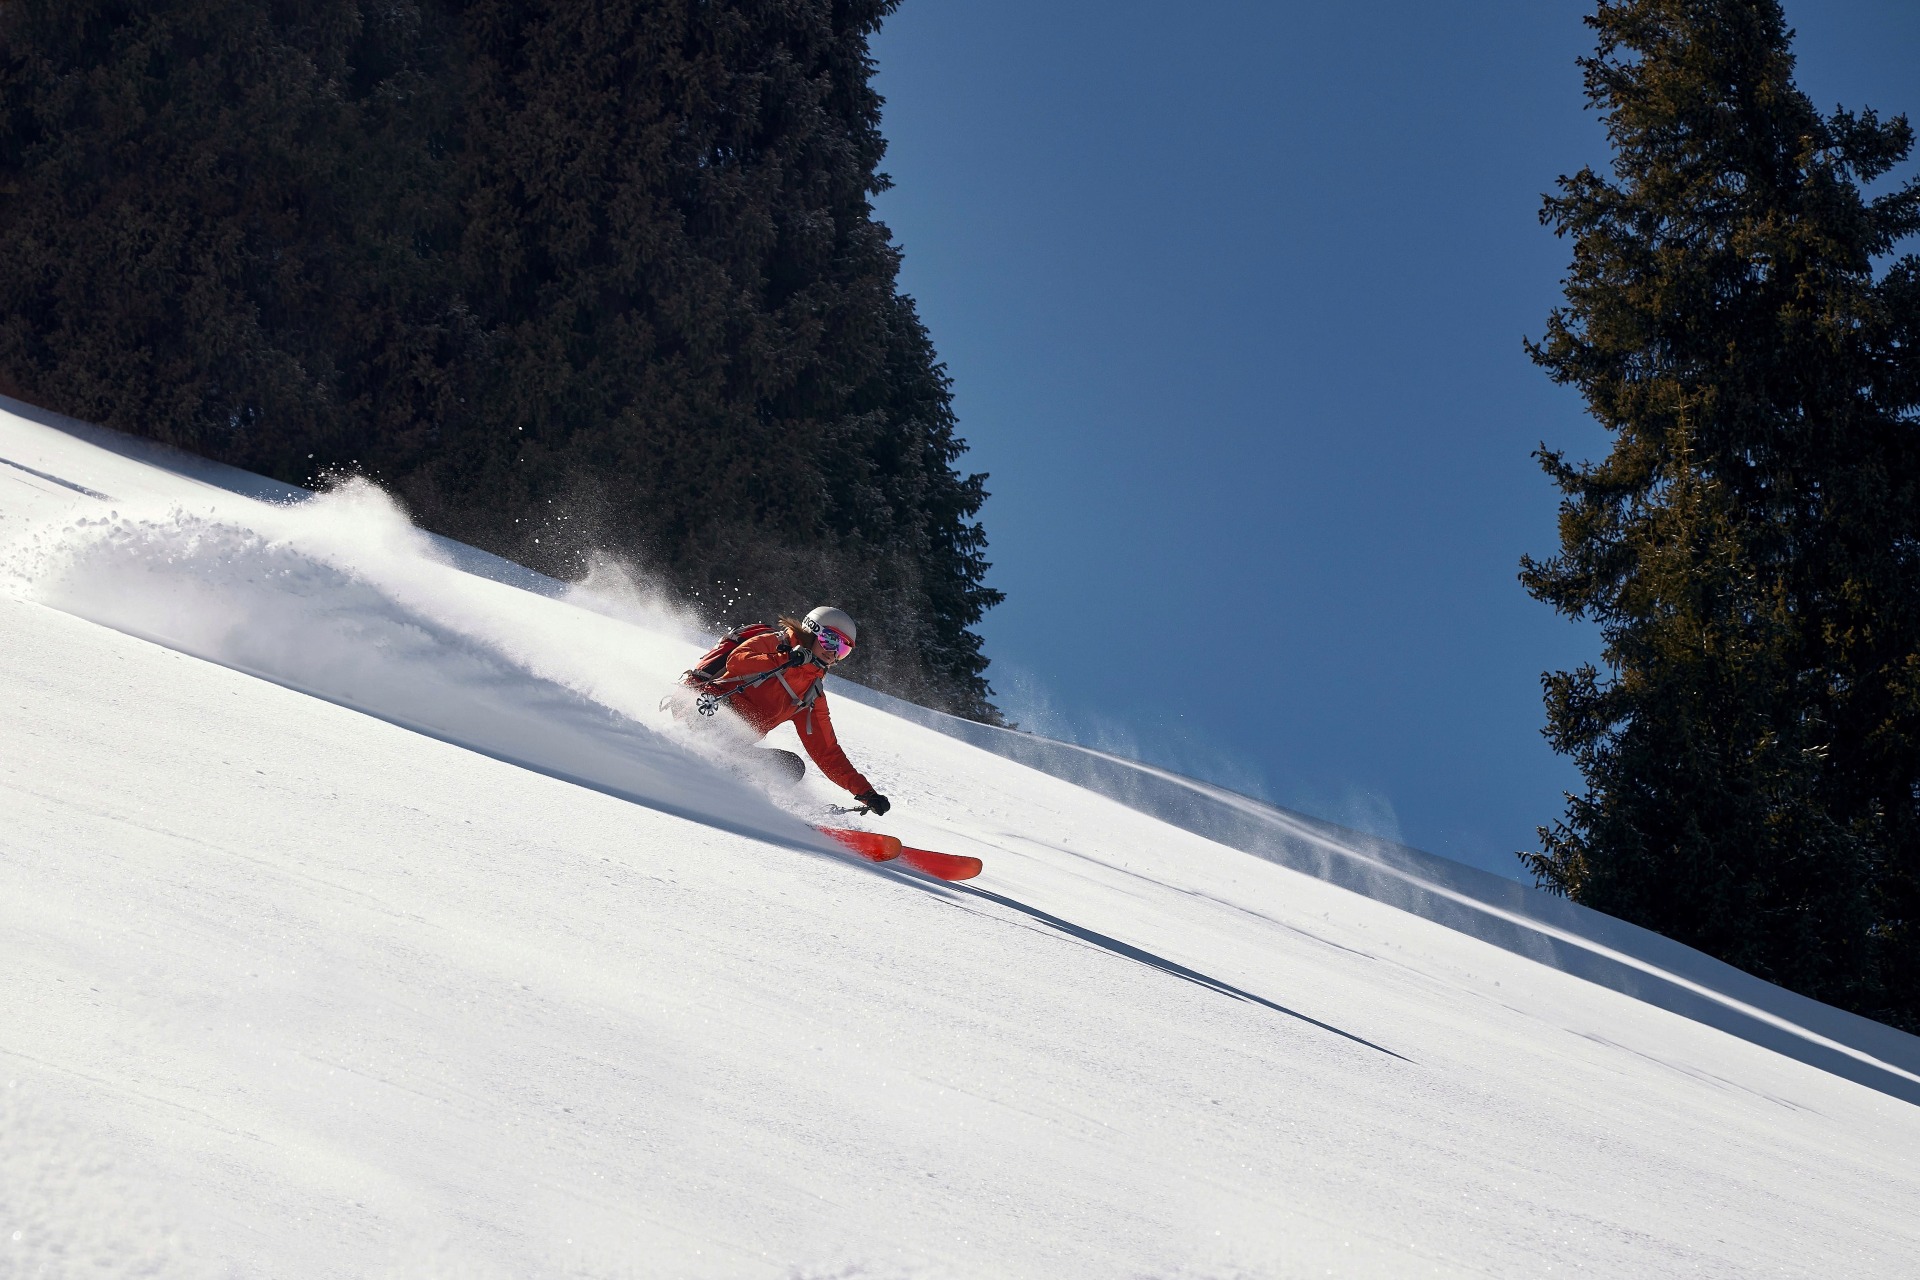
[876, 802]
[798, 658]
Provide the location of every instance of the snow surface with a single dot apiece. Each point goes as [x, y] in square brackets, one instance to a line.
[361, 916]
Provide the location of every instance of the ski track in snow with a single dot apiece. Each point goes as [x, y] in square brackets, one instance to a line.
[363, 917]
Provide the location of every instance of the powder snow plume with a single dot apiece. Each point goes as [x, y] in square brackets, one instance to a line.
[342, 597]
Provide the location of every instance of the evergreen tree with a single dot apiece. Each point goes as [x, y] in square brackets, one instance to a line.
[220, 223]
[569, 275]
[1751, 545]
[695, 330]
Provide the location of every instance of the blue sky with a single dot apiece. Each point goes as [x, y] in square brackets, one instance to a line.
[1233, 296]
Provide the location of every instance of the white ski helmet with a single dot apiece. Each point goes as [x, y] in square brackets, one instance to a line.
[828, 616]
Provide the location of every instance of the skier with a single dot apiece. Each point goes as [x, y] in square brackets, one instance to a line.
[767, 676]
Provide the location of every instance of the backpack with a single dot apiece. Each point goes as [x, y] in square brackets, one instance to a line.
[704, 673]
[714, 660]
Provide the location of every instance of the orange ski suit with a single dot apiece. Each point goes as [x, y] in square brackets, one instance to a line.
[772, 703]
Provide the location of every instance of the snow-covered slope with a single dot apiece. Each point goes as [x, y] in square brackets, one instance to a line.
[435, 953]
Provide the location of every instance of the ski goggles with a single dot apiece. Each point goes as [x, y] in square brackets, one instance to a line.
[837, 644]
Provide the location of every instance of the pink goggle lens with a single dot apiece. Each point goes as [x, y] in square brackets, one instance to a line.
[836, 643]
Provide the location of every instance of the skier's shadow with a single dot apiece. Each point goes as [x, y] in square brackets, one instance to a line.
[1130, 952]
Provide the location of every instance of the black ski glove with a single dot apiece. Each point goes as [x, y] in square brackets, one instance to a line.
[876, 802]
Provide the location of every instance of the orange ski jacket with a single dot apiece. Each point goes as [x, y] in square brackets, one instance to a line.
[790, 695]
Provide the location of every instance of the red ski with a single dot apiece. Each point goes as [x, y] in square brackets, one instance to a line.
[870, 845]
[944, 866]
[875, 847]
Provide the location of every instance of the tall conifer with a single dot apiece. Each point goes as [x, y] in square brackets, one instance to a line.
[1751, 545]
[695, 326]
[569, 275]
[219, 224]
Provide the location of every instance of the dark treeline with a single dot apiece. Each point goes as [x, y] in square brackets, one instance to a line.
[565, 275]
[1751, 546]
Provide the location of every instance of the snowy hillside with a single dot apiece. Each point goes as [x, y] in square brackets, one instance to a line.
[361, 916]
